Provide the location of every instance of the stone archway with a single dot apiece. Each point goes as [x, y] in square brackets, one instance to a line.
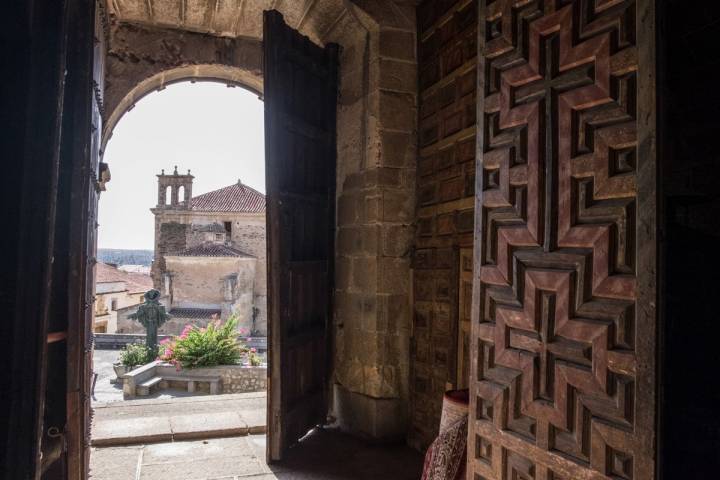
[376, 155]
[142, 59]
[232, 76]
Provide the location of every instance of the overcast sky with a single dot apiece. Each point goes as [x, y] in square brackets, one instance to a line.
[213, 130]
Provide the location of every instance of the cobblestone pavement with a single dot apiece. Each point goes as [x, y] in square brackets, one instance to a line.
[322, 455]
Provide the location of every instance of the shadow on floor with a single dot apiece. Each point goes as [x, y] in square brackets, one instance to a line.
[330, 454]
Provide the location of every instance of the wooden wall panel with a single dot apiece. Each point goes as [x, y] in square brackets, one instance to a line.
[563, 324]
[447, 48]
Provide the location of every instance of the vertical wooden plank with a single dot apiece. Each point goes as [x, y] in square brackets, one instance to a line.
[300, 102]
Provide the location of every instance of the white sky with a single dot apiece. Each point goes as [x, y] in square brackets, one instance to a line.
[213, 130]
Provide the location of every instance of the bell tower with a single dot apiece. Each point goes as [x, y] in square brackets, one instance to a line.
[175, 191]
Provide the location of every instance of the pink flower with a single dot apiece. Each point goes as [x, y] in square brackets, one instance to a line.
[253, 350]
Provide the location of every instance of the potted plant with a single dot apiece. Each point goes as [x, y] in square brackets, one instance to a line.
[132, 356]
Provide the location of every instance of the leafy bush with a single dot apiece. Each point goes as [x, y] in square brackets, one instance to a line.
[205, 347]
[136, 354]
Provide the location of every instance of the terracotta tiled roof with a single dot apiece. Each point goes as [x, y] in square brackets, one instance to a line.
[194, 312]
[209, 249]
[136, 282]
[235, 198]
[105, 273]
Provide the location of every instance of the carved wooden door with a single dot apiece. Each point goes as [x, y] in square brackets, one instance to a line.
[464, 316]
[562, 383]
[300, 101]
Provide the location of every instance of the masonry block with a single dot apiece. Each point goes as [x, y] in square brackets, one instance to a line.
[398, 206]
[397, 44]
[397, 111]
[394, 275]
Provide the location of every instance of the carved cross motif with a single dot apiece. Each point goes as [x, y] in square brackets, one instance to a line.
[546, 90]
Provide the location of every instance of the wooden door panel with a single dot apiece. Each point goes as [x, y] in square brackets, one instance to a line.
[300, 102]
[464, 316]
[562, 381]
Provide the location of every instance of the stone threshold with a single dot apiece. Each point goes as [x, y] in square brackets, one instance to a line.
[141, 422]
[199, 398]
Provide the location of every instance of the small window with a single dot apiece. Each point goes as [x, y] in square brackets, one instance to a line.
[168, 195]
[113, 304]
[228, 228]
[218, 236]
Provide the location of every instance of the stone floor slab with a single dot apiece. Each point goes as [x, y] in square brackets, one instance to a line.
[216, 458]
[131, 431]
[197, 425]
[114, 463]
[186, 418]
[322, 455]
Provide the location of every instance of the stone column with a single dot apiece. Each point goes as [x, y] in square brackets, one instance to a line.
[376, 195]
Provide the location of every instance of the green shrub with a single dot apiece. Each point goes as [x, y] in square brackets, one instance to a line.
[205, 347]
[136, 354]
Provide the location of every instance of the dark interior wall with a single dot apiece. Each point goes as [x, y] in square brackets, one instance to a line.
[447, 32]
[689, 125]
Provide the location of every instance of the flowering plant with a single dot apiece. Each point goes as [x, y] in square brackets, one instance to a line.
[135, 354]
[253, 357]
[216, 344]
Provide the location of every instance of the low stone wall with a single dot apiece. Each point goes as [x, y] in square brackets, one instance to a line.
[234, 378]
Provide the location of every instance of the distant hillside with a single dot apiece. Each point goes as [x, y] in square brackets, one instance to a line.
[125, 257]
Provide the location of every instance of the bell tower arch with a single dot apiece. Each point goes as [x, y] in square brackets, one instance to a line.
[177, 187]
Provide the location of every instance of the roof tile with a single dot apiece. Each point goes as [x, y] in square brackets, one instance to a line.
[209, 249]
[235, 198]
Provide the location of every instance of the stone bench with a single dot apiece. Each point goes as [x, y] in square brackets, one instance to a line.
[142, 380]
[191, 380]
[144, 388]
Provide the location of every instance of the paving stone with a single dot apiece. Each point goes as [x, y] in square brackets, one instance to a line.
[131, 431]
[321, 455]
[114, 463]
[217, 458]
[204, 425]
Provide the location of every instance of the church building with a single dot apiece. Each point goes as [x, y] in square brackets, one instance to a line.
[210, 254]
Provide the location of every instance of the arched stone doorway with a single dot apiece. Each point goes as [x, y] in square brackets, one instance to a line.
[376, 149]
[120, 101]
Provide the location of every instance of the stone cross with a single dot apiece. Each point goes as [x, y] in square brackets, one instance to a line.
[151, 315]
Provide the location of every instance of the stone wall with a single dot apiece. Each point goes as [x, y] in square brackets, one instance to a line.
[174, 232]
[169, 237]
[445, 203]
[375, 214]
[141, 59]
[234, 378]
[202, 282]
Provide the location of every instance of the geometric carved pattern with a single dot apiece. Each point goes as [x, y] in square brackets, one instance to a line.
[554, 374]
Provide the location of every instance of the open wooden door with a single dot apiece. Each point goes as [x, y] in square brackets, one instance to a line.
[300, 102]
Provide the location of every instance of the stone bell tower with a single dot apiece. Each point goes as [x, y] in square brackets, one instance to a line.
[174, 191]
